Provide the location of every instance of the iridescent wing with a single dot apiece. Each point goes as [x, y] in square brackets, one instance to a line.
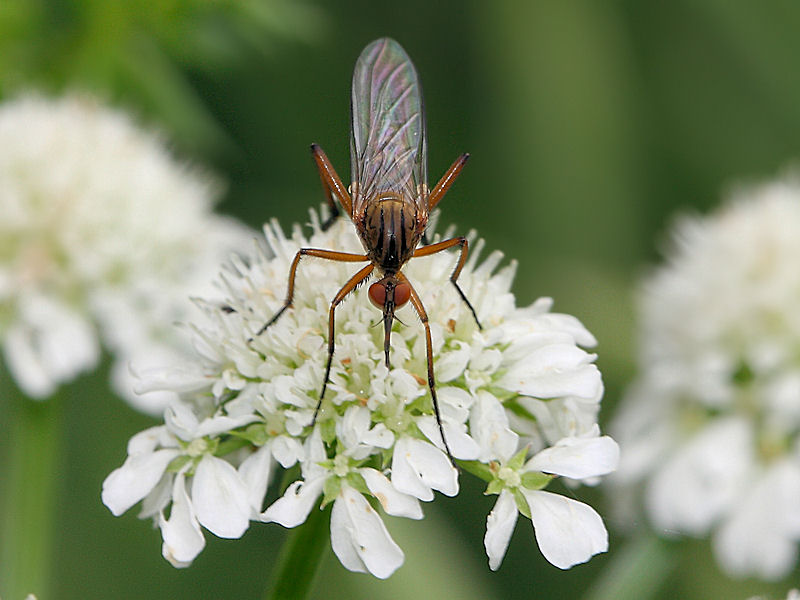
[388, 145]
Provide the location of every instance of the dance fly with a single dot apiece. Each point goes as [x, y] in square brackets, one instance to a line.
[388, 200]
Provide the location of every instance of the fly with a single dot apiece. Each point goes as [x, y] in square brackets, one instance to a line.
[388, 201]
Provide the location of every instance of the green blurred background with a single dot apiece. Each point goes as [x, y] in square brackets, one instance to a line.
[589, 123]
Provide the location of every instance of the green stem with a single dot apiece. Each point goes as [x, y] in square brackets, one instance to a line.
[636, 572]
[300, 558]
[33, 451]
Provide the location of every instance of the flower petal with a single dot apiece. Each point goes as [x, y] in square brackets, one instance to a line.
[489, 427]
[461, 444]
[553, 371]
[352, 426]
[150, 439]
[183, 538]
[418, 468]
[760, 537]
[151, 377]
[131, 482]
[220, 498]
[568, 532]
[181, 420]
[51, 345]
[287, 450]
[360, 539]
[291, 509]
[379, 437]
[703, 479]
[393, 502]
[452, 363]
[314, 454]
[499, 526]
[577, 457]
[255, 472]
[222, 424]
[159, 498]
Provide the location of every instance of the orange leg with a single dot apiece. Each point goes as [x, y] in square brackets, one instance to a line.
[332, 184]
[423, 316]
[440, 189]
[348, 287]
[326, 254]
[462, 259]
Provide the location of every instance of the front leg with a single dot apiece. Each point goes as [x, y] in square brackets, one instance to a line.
[348, 287]
[332, 184]
[319, 253]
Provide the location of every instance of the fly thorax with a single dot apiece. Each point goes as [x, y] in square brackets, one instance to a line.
[390, 233]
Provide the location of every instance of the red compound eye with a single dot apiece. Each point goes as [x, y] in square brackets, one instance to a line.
[402, 293]
[377, 294]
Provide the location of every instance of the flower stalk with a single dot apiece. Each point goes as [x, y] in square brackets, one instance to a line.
[30, 490]
[301, 556]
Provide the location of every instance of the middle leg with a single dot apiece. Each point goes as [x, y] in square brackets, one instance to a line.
[318, 253]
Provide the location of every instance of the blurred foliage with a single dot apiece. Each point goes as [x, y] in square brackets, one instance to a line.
[138, 52]
[590, 125]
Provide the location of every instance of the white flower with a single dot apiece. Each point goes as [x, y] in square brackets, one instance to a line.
[711, 426]
[142, 471]
[792, 595]
[358, 536]
[103, 238]
[220, 498]
[183, 538]
[771, 507]
[519, 392]
[418, 468]
[568, 532]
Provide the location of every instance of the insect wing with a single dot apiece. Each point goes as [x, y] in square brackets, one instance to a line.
[388, 144]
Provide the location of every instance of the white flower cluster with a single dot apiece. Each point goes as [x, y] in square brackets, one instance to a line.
[103, 236]
[792, 595]
[519, 402]
[712, 424]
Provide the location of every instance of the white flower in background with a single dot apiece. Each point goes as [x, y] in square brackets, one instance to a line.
[712, 424]
[103, 238]
[793, 595]
[519, 402]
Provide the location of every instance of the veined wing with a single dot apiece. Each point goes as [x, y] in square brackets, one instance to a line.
[388, 144]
